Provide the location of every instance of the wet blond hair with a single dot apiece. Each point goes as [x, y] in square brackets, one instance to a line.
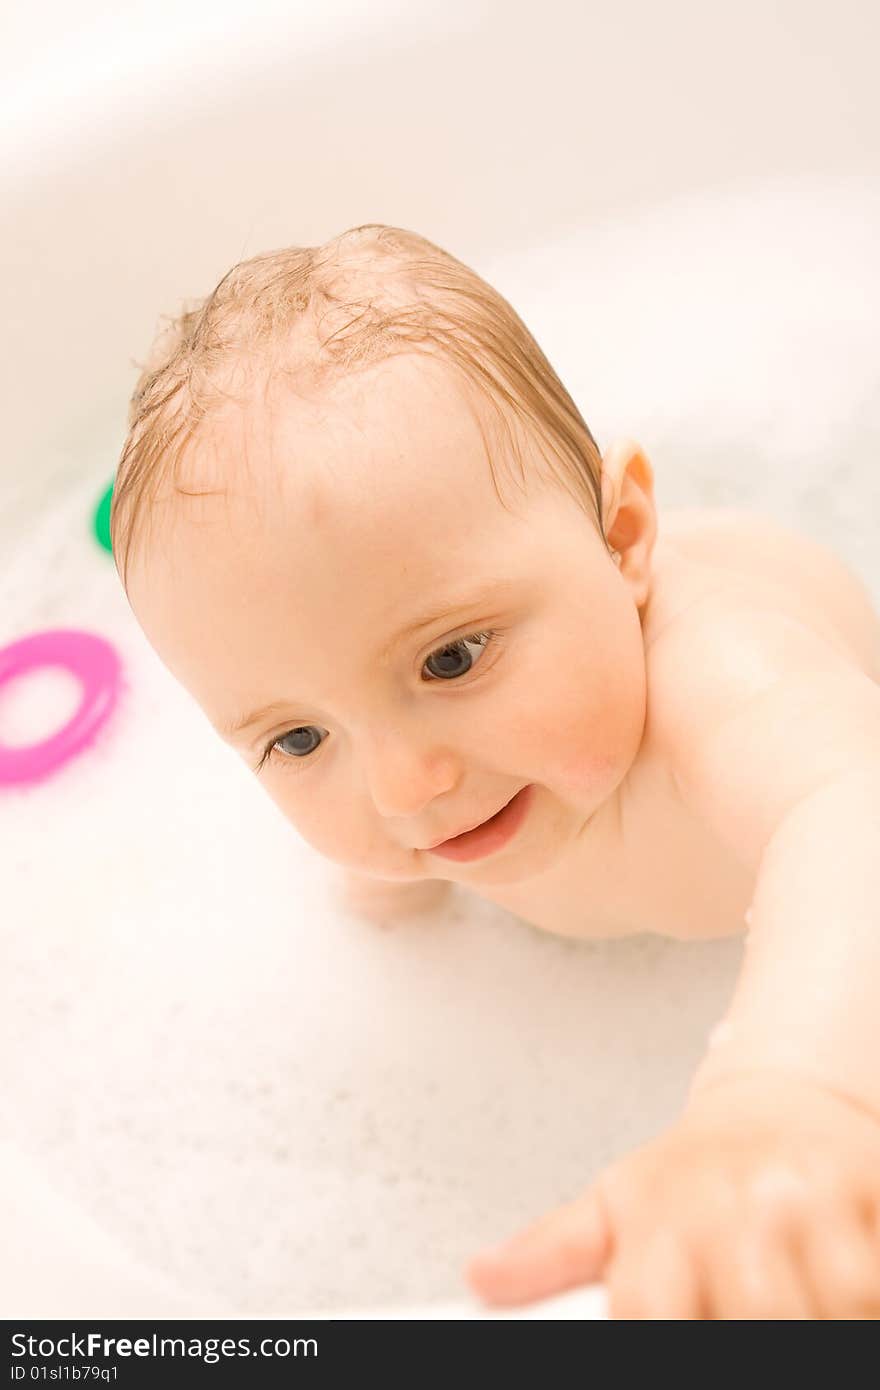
[320, 313]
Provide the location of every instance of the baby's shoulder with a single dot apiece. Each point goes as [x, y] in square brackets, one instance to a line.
[755, 654]
[715, 571]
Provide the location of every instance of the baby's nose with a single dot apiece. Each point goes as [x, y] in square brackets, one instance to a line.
[405, 776]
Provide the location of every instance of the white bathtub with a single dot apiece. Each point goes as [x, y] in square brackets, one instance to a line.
[220, 1096]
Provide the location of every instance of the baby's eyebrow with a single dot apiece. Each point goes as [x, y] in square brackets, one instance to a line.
[449, 608]
[247, 721]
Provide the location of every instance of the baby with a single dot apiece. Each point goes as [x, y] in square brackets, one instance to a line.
[361, 520]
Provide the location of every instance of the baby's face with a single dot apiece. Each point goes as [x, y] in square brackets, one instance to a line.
[352, 588]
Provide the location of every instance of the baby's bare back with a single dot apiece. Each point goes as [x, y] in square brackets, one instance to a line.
[644, 863]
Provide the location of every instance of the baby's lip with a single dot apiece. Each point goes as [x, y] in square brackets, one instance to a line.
[464, 830]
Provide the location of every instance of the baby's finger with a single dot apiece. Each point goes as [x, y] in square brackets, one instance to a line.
[842, 1264]
[565, 1248]
[657, 1278]
[755, 1274]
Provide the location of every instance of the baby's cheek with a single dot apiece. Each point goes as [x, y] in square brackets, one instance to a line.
[341, 834]
[584, 773]
[578, 743]
[327, 828]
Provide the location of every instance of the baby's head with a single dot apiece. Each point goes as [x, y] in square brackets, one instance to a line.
[362, 522]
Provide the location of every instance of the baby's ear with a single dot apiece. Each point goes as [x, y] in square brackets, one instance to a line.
[629, 510]
[622, 456]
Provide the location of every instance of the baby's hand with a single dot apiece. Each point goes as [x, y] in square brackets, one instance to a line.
[762, 1202]
[384, 902]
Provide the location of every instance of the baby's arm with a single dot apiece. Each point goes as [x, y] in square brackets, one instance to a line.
[383, 900]
[763, 1200]
[784, 764]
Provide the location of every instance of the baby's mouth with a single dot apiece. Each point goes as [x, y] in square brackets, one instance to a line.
[476, 825]
[489, 835]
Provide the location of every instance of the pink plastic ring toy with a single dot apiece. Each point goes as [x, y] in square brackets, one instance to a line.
[96, 666]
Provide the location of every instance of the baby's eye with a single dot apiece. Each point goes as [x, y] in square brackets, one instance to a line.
[304, 740]
[449, 657]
